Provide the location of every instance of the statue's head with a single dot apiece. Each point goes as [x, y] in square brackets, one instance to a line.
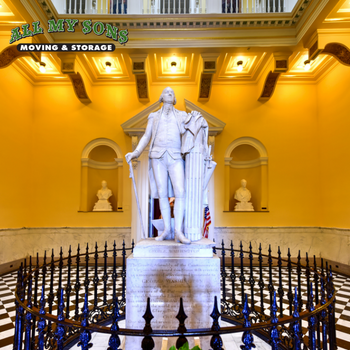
[104, 184]
[168, 96]
[244, 183]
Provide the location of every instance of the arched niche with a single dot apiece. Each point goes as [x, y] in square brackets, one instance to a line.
[101, 160]
[246, 158]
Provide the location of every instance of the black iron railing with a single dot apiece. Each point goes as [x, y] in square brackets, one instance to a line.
[72, 297]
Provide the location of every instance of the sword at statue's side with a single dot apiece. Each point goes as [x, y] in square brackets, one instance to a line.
[131, 175]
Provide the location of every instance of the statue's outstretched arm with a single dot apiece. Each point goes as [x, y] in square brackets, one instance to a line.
[145, 139]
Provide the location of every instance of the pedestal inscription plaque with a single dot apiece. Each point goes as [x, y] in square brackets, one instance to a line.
[164, 281]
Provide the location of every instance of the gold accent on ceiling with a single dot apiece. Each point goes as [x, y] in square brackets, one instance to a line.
[251, 63]
[50, 66]
[232, 66]
[100, 63]
[30, 69]
[5, 10]
[318, 67]
[162, 71]
[95, 65]
[179, 68]
[340, 13]
[10, 17]
[297, 65]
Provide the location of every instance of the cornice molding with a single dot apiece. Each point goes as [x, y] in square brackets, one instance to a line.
[133, 126]
[246, 164]
[87, 162]
[36, 13]
[314, 10]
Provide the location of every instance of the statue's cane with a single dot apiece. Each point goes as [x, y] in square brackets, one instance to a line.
[131, 175]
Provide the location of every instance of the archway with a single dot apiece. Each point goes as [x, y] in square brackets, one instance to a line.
[246, 158]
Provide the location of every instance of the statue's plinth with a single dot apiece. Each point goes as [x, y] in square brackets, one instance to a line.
[166, 271]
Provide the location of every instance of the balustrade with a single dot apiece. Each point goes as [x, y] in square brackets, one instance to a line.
[55, 320]
[171, 7]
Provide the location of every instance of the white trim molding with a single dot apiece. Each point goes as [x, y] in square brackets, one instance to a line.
[251, 141]
[101, 142]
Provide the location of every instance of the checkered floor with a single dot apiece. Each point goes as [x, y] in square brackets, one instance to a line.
[342, 285]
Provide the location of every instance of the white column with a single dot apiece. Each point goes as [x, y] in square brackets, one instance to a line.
[135, 7]
[140, 167]
[227, 184]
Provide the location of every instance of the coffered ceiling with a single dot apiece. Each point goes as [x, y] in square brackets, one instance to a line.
[174, 47]
[187, 70]
[340, 13]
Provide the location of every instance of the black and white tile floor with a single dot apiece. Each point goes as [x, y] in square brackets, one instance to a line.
[342, 285]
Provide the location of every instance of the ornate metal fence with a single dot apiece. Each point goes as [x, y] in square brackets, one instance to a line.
[72, 297]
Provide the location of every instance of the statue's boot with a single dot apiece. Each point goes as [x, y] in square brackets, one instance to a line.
[179, 210]
[165, 210]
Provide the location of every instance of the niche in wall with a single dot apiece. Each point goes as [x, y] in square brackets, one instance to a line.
[101, 160]
[246, 158]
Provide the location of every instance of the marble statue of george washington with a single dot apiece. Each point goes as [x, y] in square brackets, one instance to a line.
[173, 135]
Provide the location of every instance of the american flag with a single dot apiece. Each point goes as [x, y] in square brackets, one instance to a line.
[207, 222]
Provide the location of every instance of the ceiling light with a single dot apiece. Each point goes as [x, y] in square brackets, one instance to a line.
[108, 67]
[240, 66]
[307, 65]
[173, 65]
[42, 67]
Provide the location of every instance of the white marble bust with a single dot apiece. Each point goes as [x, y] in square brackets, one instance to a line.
[243, 197]
[103, 195]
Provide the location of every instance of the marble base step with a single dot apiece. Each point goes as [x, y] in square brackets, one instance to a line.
[150, 248]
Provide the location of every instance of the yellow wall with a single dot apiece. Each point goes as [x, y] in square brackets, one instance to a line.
[65, 129]
[61, 131]
[16, 101]
[333, 96]
[304, 128]
[286, 125]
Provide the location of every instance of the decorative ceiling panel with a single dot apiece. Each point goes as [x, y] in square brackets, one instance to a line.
[317, 67]
[173, 67]
[31, 69]
[251, 64]
[96, 65]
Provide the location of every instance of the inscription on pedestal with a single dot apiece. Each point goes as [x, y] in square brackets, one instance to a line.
[164, 281]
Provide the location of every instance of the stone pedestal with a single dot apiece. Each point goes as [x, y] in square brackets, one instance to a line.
[164, 272]
[244, 206]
